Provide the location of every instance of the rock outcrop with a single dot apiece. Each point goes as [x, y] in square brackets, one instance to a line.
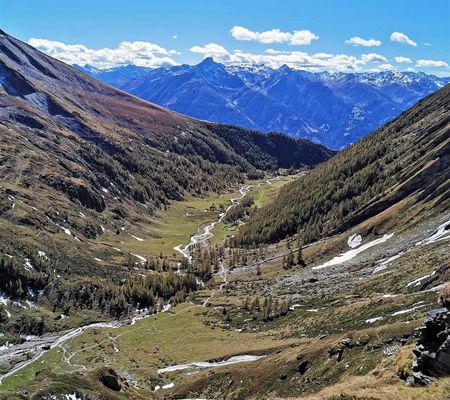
[110, 379]
[433, 345]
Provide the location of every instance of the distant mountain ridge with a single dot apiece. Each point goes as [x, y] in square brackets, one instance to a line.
[334, 109]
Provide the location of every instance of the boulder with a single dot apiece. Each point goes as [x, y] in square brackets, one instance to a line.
[110, 379]
[303, 367]
[433, 348]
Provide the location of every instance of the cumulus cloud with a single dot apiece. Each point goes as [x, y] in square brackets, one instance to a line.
[431, 63]
[139, 53]
[210, 50]
[357, 41]
[302, 37]
[297, 59]
[382, 68]
[402, 60]
[373, 57]
[402, 38]
[323, 55]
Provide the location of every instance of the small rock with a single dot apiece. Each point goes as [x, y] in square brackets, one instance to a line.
[417, 378]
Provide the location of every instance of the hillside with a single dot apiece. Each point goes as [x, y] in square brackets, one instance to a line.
[405, 162]
[87, 174]
[335, 109]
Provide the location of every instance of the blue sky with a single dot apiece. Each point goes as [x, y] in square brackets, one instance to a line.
[313, 35]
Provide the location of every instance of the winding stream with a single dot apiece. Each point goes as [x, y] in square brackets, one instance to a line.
[28, 352]
[205, 233]
[33, 349]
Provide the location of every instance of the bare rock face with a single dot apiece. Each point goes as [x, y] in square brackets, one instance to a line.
[433, 348]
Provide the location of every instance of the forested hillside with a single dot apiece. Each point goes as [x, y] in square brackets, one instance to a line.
[406, 158]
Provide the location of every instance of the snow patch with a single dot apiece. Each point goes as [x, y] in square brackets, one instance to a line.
[442, 233]
[72, 396]
[65, 230]
[385, 263]
[354, 240]
[206, 364]
[417, 281]
[140, 258]
[137, 238]
[168, 386]
[27, 338]
[372, 320]
[408, 310]
[28, 265]
[347, 256]
[437, 288]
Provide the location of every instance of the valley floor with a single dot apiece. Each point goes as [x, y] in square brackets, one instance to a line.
[346, 329]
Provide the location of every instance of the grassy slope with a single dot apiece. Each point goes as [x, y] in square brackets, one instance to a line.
[346, 297]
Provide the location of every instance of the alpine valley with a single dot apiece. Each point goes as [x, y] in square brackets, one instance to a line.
[153, 253]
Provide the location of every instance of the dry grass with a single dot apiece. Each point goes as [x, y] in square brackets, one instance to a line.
[382, 386]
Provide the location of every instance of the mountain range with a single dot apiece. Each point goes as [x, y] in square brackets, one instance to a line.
[334, 109]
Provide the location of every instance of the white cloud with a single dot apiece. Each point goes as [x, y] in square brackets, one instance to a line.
[427, 44]
[175, 37]
[302, 37]
[357, 41]
[373, 57]
[431, 63]
[382, 68]
[210, 50]
[402, 60]
[138, 53]
[402, 38]
[323, 55]
[273, 51]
